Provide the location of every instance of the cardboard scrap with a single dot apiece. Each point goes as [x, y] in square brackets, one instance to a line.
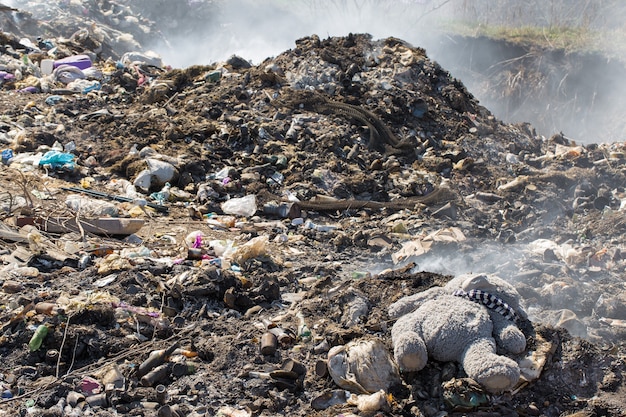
[417, 247]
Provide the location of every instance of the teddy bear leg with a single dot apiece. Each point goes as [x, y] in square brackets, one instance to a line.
[494, 372]
[410, 351]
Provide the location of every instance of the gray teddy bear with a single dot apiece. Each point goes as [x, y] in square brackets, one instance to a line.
[472, 320]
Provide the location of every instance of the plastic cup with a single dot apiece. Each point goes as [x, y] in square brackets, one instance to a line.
[47, 66]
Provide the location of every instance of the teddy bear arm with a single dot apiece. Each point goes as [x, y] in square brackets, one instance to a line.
[409, 303]
[509, 338]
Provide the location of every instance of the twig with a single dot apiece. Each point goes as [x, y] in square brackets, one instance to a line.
[69, 370]
[606, 158]
[80, 227]
[24, 185]
[139, 330]
[67, 325]
[432, 10]
[154, 329]
[169, 100]
[543, 32]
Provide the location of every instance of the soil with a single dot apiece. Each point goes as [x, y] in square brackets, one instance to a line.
[506, 188]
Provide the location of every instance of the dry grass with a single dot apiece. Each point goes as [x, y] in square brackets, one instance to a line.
[611, 43]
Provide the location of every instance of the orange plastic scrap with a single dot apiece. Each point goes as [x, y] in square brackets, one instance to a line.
[568, 152]
[186, 353]
[599, 258]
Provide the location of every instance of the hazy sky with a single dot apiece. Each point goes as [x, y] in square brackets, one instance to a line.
[256, 30]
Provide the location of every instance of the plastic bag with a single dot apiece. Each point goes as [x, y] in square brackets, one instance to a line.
[141, 58]
[143, 180]
[7, 156]
[67, 73]
[84, 86]
[158, 173]
[194, 239]
[91, 207]
[223, 248]
[253, 248]
[58, 160]
[244, 206]
[163, 171]
[363, 366]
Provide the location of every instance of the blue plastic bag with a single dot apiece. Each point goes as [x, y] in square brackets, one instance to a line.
[7, 155]
[58, 160]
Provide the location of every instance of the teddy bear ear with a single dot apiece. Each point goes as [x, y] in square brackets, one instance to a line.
[478, 282]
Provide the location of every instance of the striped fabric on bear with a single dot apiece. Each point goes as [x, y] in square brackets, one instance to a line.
[490, 301]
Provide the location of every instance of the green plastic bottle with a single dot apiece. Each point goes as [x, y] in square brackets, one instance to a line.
[38, 336]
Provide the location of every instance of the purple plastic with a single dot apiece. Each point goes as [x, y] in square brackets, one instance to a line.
[79, 61]
[29, 90]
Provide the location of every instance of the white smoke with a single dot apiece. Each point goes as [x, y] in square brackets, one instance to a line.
[258, 30]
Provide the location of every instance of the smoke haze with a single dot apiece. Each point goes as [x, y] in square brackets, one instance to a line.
[552, 92]
[257, 30]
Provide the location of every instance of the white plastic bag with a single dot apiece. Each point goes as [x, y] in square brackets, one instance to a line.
[163, 171]
[244, 206]
[91, 207]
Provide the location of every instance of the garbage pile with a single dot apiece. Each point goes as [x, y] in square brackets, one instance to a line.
[228, 239]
